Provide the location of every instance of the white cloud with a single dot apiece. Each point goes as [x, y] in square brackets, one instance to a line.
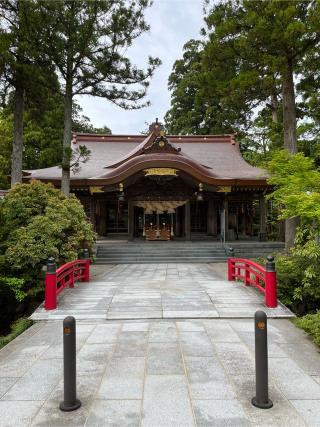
[173, 23]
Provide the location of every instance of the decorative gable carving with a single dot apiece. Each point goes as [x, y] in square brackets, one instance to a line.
[161, 145]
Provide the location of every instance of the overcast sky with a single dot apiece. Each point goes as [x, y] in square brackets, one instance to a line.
[173, 23]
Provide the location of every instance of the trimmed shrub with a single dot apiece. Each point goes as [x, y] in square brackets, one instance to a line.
[37, 221]
[17, 328]
[311, 324]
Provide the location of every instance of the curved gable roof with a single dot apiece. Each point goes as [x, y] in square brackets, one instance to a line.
[115, 157]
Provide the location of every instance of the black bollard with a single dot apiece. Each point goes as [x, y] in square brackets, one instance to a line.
[70, 402]
[261, 400]
[86, 254]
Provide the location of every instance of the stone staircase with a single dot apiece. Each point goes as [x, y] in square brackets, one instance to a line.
[143, 252]
[255, 249]
[159, 252]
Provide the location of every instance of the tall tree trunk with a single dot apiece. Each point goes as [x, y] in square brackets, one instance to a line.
[17, 145]
[290, 134]
[289, 108]
[274, 108]
[65, 180]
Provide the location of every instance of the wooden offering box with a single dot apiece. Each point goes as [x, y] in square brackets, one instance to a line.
[158, 233]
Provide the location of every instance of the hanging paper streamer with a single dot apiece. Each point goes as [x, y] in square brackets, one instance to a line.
[159, 206]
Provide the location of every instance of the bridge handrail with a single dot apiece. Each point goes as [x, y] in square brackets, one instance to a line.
[256, 275]
[66, 275]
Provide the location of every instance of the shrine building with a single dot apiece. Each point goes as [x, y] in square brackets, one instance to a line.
[163, 187]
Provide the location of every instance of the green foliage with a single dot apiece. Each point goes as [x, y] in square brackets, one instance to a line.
[14, 286]
[82, 124]
[186, 115]
[12, 296]
[17, 328]
[289, 277]
[79, 155]
[4, 182]
[86, 42]
[299, 273]
[6, 130]
[311, 324]
[236, 78]
[38, 221]
[43, 133]
[296, 183]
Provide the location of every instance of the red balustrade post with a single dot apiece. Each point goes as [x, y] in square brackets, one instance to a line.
[86, 277]
[247, 274]
[50, 302]
[230, 276]
[257, 280]
[271, 283]
[231, 269]
[71, 285]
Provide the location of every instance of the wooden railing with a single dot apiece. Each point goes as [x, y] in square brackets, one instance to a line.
[67, 275]
[264, 279]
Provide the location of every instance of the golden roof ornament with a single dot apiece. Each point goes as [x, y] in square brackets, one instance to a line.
[160, 171]
[96, 189]
[156, 127]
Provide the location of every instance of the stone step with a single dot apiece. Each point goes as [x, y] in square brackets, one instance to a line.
[164, 244]
[256, 247]
[180, 245]
[160, 251]
[103, 261]
[166, 254]
[188, 255]
[161, 255]
[180, 252]
[171, 252]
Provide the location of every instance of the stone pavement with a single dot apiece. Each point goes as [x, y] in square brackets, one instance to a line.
[159, 291]
[160, 374]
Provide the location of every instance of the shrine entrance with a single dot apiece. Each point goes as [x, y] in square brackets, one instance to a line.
[175, 206]
[158, 220]
[199, 216]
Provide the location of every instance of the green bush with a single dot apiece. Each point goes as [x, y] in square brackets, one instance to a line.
[17, 328]
[299, 274]
[14, 286]
[11, 296]
[289, 278]
[36, 221]
[296, 193]
[311, 324]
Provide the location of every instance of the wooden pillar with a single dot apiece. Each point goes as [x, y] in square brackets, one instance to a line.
[226, 215]
[215, 219]
[263, 218]
[130, 220]
[177, 230]
[107, 214]
[92, 212]
[98, 216]
[211, 220]
[187, 222]
[103, 217]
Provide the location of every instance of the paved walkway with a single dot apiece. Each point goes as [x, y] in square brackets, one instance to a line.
[160, 374]
[160, 291]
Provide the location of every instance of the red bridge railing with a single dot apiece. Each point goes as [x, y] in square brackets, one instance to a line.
[264, 279]
[58, 279]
